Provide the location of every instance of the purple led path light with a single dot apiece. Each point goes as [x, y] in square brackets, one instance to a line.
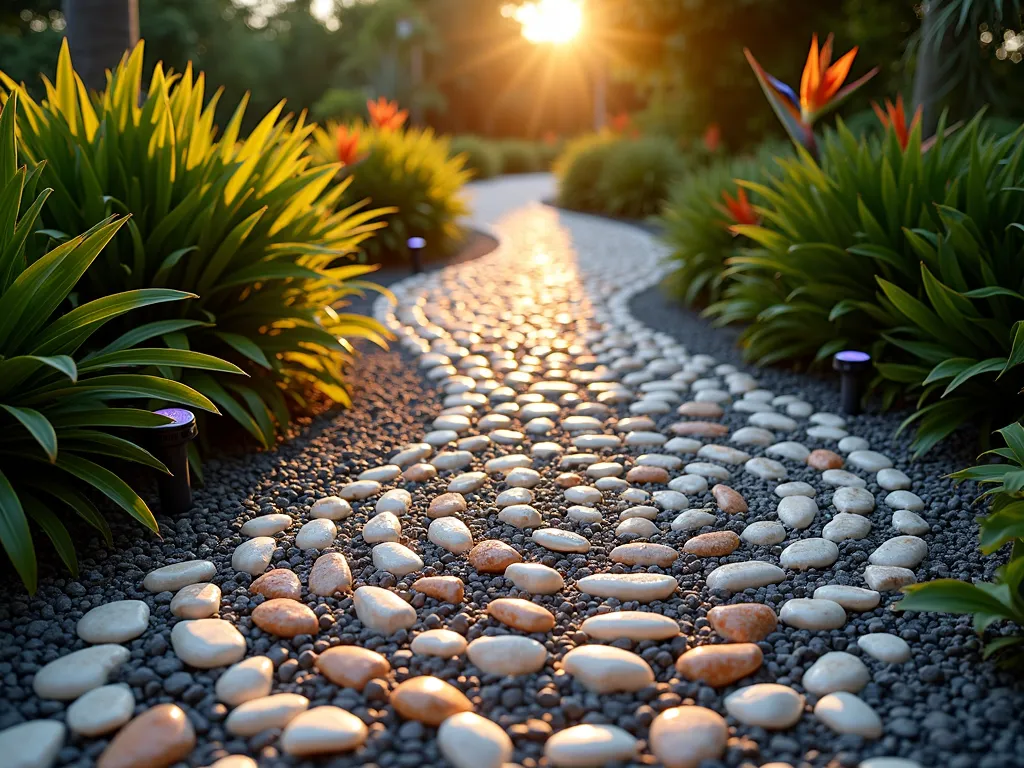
[852, 366]
[169, 443]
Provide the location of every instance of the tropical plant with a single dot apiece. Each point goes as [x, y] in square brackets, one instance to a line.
[481, 157]
[578, 170]
[698, 229]
[636, 177]
[411, 173]
[808, 288]
[1003, 598]
[64, 427]
[247, 225]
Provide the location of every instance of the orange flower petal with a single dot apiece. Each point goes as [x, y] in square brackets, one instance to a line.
[836, 75]
[811, 76]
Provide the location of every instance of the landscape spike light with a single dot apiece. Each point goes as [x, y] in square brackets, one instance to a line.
[852, 366]
[169, 443]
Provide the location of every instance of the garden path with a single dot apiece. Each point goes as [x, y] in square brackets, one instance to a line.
[608, 545]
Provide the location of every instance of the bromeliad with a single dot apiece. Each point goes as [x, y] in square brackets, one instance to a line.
[347, 143]
[739, 210]
[821, 90]
[385, 114]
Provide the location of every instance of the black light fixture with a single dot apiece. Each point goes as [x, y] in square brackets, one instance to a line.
[169, 443]
[852, 366]
[416, 246]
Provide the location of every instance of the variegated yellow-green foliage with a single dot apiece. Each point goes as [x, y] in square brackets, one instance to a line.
[249, 224]
[64, 420]
[578, 170]
[407, 170]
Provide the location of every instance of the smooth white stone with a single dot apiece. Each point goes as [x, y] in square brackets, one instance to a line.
[248, 679]
[893, 480]
[869, 461]
[851, 598]
[768, 705]
[845, 713]
[612, 484]
[116, 622]
[900, 551]
[468, 740]
[911, 523]
[888, 578]
[645, 439]
[34, 744]
[642, 587]
[634, 625]
[253, 556]
[467, 482]
[789, 450]
[828, 419]
[589, 746]
[541, 426]
[766, 469]
[546, 450]
[451, 534]
[775, 422]
[692, 519]
[885, 647]
[842, 478]
[384, 474]
[822, 432]
[383, 526]
[804, 554]
[321, 731]
[636, 527]
[704, 469]
[72, 675]
[646, 512]
[797, 488]
[784, 400]
[671, 463]
[683, 737]
[523, 477]
[605, 469]
[799, 409]
[855, 501]
[752, 406]
[582, 494]
[852, 443]
[797, 512]
[520, 516]
[712, 396]
[316, 534]
[266, 525]
[688, 484]
[764, 533]
[846, 526]
[888, 762]
[584, 514]
[411, 454]
[494, 421]
[330, 508]
[196, 601]
[451, 460]
[438, 642]
[507, 655]
[904, 500]
[514, 496]
[736, 577]
[811, 613]
[535, 578]
[207, 643]
[276, 711]
[724, 454]
[382, 610]
[101, 710]
[558, 540]
[607, 669]
[397, 558]
[454, 422]
[171, 578]
[360, 489]
[752, 436]
[683, 445]
[836, 671]
[439, 437]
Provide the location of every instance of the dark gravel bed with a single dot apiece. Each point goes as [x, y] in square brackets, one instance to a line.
[945, 708]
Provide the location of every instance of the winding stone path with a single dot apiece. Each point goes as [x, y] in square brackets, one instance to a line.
[574, 561]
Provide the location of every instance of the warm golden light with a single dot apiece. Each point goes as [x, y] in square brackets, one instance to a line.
[550, 21]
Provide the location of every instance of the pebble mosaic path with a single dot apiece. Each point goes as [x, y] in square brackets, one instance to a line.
[596, 547]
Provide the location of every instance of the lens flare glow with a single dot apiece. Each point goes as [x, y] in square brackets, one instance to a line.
[550, 21]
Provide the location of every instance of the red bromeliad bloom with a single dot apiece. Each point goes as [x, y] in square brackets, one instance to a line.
[385, 114]
[713, 137]
[348, 145]
[739, 210]
[895, 117]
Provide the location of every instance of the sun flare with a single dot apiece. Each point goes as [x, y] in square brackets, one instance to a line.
[550, 21]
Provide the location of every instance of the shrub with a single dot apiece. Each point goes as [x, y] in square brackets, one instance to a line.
[410, 172]
[520, 156]
[340, 104]
[480, 156]
[697, 228]
[245, 224]
[636, 177]
[1003, 598]
[578, 170]
[808, 288]
[62, 420]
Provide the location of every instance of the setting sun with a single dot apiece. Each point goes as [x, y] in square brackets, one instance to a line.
[550, 21]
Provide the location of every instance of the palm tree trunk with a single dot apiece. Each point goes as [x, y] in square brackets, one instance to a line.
[927, 71]
[99, 32]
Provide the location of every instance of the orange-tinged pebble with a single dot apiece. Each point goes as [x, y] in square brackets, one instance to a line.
[822, 459]
[699, 429]
[719, 665]
[160, 736]
[714, 544]
[493, 556]
[743, 622]
[521, 614]
[729, 501]
[429, 700]
[647, 474]
[279, 582]
[285, 618]
[351, 666]
[450, 589]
